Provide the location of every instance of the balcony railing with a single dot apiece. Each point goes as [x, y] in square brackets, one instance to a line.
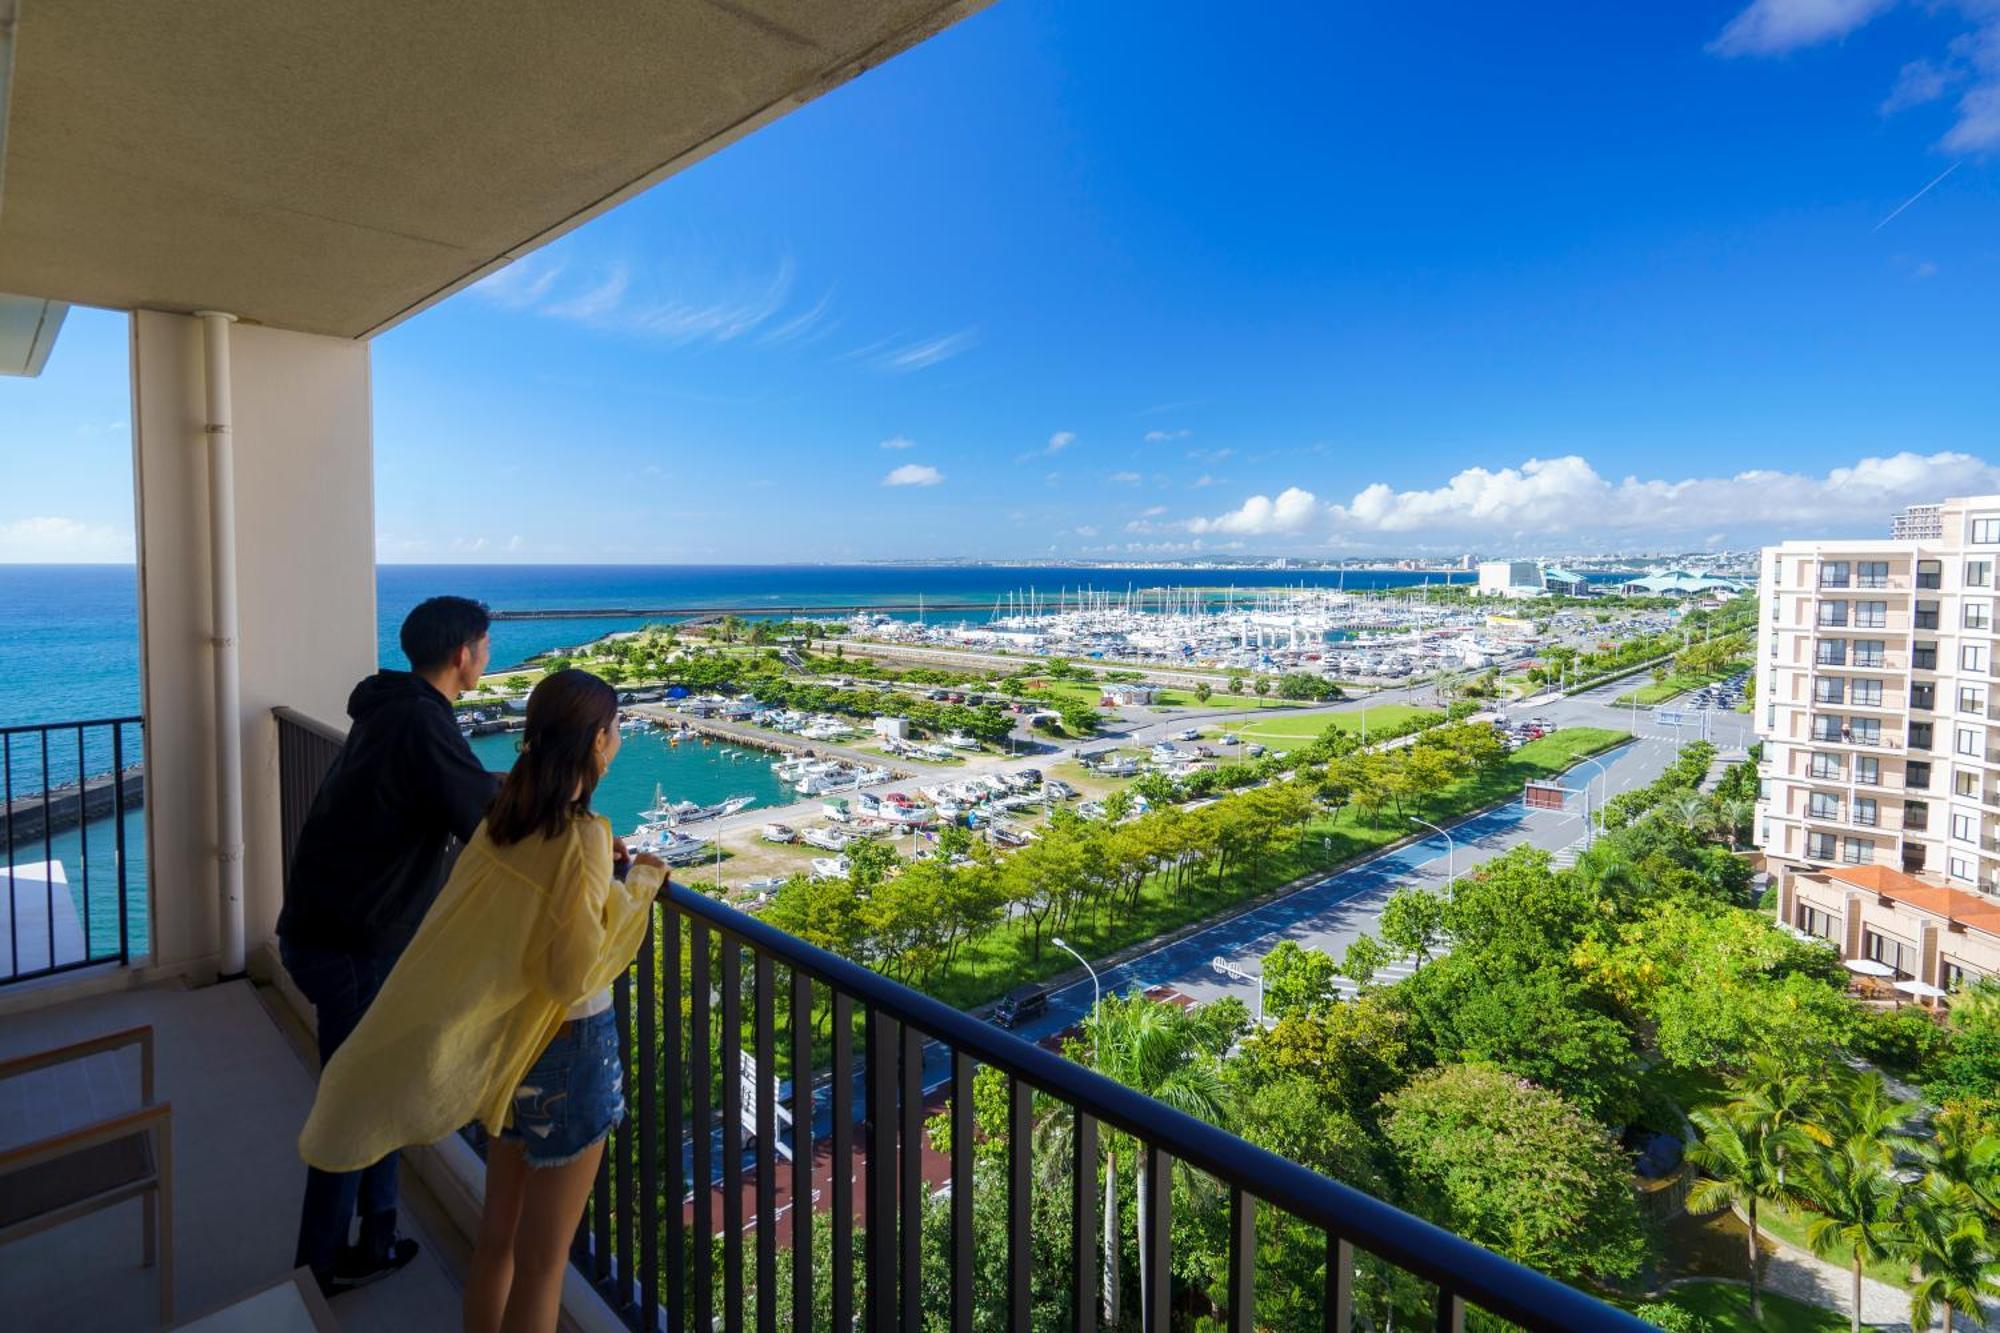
[67, 790]
[683, 1205]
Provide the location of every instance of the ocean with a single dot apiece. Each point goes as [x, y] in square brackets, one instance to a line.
[69, 651]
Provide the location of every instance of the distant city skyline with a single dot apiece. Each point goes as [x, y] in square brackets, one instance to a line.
[1057, 285]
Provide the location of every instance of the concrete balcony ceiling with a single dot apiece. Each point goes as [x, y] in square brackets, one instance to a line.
[336, 168]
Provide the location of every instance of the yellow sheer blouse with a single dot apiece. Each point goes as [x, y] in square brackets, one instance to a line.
[517, 935]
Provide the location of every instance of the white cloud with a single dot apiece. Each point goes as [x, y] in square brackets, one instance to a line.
[1152, 511]
[927, 352]
[1293, 511]
[1061, 440]
[914, 474]
[899, 442]
[1978, 126]
[50, 539]
[1163, 436]
[1565, 497]
[1919, 82]
[1772, 27]
[1201, 483]
[1086, 531]
[1125, 478]
[670, 304]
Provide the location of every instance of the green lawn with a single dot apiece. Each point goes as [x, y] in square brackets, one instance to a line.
[999, 960]
[1726, 1306]
[1299, 728]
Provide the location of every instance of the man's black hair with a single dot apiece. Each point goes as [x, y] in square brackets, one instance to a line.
[440, 627]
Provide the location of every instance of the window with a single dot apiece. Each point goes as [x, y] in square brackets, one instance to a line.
[1872, 574]
[1815, 922]
[1978, 615]
[1926, 616]
[1824, 766]
[1833, 574]
[1923, 657]
[1929, 574]
[1916, 816]
[1964, 827]
[1857, 851]
[1889, 950]
[1920, 735]
[1924, 697]
[1965, 783]
[1967, 741]
[1868, 770]
[1863, 730]
[1833, 613]
[1868, 693]
[1971, 699]
[1831, 652]
[1826, 728]
[1829, 690]
[1986, 531]
[1913, 858]
[1957, 975]
[1866, 812]
[1824, 805]
[1871, 615]
[1973, 657]
[1820, 847]
[1917, 776]
[1960, 867]
[1979, 573]
[1868, 653]
[1770, 717]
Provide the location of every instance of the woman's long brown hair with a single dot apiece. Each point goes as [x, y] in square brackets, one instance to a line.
[551, 783]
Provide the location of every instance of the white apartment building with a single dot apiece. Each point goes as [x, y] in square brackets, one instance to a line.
[1878, 700]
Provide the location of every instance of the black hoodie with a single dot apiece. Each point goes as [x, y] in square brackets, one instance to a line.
[371, 855]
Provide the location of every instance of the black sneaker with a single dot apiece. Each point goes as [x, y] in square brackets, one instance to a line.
[354, 1270]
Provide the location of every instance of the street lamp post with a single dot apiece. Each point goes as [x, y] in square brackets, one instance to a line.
[1096, 996]
[1221, 965]
[1450, 849]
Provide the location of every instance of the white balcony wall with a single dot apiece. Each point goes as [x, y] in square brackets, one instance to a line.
[305, 534]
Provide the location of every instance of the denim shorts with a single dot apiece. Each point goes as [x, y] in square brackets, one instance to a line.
[572, 1096]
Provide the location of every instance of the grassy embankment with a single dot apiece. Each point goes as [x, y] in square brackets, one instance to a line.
[1726, 1307]
[1002, 958]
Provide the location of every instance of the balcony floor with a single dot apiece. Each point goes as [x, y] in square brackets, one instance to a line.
[240, 1091]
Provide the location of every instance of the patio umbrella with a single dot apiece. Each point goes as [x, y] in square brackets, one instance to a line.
[1868, 967]
[1923, 990]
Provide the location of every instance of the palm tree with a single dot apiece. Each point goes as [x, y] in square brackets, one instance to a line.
[1962, 1152]
[1146, 1046]
[1858, 1206]
[1689, 811]
[1742, 1156]
[1949, 1252]
[1736, 818]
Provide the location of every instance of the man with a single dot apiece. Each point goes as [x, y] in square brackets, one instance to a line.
[370, 859]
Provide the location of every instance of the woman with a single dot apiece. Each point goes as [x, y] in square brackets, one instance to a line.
[500, 1011]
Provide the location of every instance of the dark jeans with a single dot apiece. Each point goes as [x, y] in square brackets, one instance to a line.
[341, 986]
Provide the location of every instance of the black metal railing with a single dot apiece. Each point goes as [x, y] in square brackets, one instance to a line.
[680, 1194]
[68, 790]
[307, 747]
[685, 1228]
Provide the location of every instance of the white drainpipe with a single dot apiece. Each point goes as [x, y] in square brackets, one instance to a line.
[228, 689]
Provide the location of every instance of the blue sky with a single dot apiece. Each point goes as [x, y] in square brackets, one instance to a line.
[1287, 278]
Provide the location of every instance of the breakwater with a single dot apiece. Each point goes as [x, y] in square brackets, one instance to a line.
[762, 610]
[30, 818]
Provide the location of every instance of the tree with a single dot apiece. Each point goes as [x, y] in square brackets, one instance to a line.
[1203, 691]
[1365, 957]
[1078, 719]
[516, 684]
[1949, 1253]
[1742, 1160]
[1516, 1168]
[1235, 682]
[1413, 923]
[1153, 1049]
[1262, 687]
[612, 673]
[1850, 1185]
[1298, 982]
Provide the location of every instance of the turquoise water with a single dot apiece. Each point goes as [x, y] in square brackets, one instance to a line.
[689, 771]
